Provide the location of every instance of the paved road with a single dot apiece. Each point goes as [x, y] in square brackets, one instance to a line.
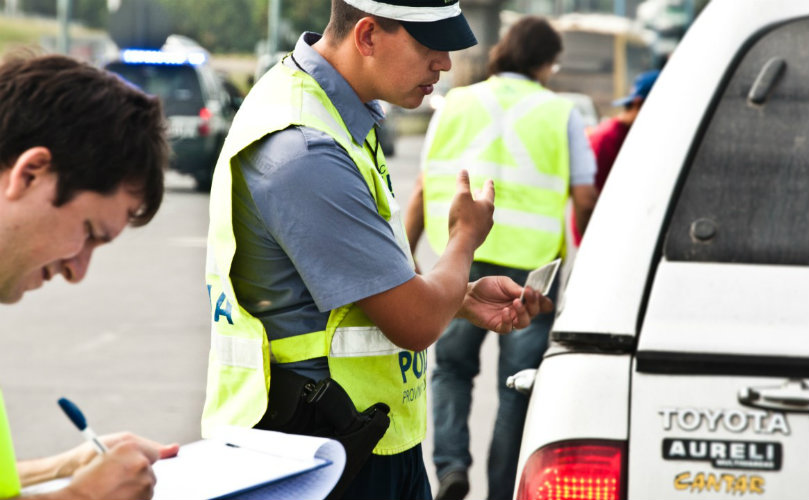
[130, 344]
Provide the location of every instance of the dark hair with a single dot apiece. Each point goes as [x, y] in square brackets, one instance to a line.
[529, 44]
[344, 17]
[102, 133]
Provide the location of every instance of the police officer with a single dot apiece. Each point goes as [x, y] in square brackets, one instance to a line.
[82, 155]
[309, 268]
[513, 129]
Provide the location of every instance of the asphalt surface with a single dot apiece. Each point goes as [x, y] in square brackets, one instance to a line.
[129, 345]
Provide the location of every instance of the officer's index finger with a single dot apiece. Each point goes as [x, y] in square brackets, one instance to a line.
[487, 191]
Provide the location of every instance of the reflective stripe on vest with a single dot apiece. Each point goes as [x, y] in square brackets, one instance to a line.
[347, 342]
[361, 359]
[514, 132]
[9, 479]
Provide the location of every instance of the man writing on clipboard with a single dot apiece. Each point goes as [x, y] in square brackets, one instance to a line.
[82, 156]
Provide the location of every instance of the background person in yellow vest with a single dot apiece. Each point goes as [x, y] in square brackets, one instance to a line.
[308, 264]
[532, 143]
[82, 155]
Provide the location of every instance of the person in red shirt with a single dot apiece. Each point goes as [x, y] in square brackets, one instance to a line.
[607, 137]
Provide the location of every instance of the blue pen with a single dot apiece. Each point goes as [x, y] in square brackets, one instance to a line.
[77, 417]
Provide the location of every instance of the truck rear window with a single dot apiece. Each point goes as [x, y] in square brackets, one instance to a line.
[176, 85]
[745, 197]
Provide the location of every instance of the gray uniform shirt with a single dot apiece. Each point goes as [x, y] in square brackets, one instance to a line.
[309, 238]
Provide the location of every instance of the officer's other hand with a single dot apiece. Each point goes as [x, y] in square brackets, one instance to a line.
[494, 303]
[471, 217]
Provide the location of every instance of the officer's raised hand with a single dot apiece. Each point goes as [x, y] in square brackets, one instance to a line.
[413, 314]
[470, 218]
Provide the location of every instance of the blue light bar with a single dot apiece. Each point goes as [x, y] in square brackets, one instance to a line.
[140, 56]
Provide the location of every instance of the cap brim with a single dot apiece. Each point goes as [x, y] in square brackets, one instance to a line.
[445, 35]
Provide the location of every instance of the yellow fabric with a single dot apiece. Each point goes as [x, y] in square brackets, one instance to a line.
[515, 132]
[9, 480]
[237, 386]
[300, 347]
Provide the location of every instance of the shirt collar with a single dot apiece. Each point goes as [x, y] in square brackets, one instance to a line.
[358, 117]
[517, 76]
[512, 74]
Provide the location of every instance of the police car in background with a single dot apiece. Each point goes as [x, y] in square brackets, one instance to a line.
[198, 108]
[679, 362]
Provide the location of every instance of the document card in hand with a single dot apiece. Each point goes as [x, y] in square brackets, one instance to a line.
[541, 279]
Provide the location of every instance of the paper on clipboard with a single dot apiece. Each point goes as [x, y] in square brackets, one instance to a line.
[242, 464]
[542, 278]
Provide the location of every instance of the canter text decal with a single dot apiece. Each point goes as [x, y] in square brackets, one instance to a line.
[731, 484]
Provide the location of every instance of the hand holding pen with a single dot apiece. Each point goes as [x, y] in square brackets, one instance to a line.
[116, 466]
[77, 417]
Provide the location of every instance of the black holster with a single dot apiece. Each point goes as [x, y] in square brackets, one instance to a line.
[299, 405]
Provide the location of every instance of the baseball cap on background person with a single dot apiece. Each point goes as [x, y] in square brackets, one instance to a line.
[640, 87]
[436, 24]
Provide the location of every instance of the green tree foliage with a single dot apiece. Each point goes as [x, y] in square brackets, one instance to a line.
[40, 7]
[310, 15]
[237, 25]
[219, 25]
[92, 13]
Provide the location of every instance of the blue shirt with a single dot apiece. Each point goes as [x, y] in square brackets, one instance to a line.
[309, 238]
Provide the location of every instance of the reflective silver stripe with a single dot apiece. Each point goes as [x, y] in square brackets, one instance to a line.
[210, 260]
[356, 341]
[406, 13]
[508, 217]
[397, 225]
[501, 125]
[514, 175]
[237, 351]
[318, 111]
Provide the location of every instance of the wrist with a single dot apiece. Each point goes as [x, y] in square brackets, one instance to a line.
[462, 312]
[462, 242]
[65, 464]
[44, 469]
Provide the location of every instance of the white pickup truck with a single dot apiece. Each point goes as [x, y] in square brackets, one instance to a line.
[679, 363]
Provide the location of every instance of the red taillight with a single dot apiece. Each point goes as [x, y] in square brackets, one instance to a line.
[204, 127]
[582, 470]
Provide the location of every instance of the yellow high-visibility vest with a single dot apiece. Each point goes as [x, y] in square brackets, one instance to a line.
[361, 359]
[513, 131]
[9, 480]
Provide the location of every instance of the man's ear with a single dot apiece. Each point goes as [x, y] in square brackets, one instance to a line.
[364, 32]
[32, 166]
